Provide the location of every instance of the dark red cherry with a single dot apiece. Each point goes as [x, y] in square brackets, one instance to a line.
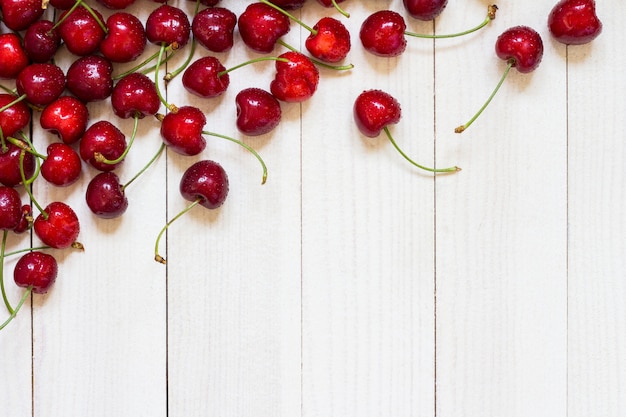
[213, 28]
[425, 9]
[67, 117]
[36, 269]
[182, 130]
[522, 47]
[42, 83]
[102, 138]
[330, 42]
[295, 80]
[41, 41]
[382, 33]
[126, 38]
[10, 208]
[574, 22]
[105, 196]
[90, 78]
[62, 165]
[10, 164]
[81, 31]
[14, 118]
[57, 226]
[258, 111]
[12, 55]
[206, 77]
[374, 110]
[26, 220]
[168, 25]
[135, 95]
[260, 26]
[205, 181]
[18, 15]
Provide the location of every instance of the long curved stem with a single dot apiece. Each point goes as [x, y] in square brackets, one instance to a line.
[150, 162]
[245, 145]
[17, 308]
[317, 61]
[395, 145]
[158, 257]
[101, 158]
[252, 61]
[290, 16]
[491, 15]
[339, 9]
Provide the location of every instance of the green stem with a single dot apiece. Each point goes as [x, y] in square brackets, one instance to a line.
[4, 294]
[101, 158]
[170, 75]
[395, 145]
[252, 61]
[143, 64]
[30, 181]
[290, 16]
[245, 145]
[493, 93]
[30, 249]
[317, 61]
[158, 257]
[154, 158]
[17, 100]
[339, 9]
[491, 15]
[19, 305]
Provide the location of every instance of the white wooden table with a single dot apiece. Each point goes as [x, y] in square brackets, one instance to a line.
[351, 284]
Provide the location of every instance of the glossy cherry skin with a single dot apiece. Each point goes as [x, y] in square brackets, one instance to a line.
[102, 138]
[41, 41]
[14, 118]
[382, 33]
[12, 55]
[67, 117]
[574, 22]
[36, 269]
[182, 130]
[214, 28]
[90, 78]
[10, 208]
[207, 181]
[18, 15]
[80, 31]
[522, 46]
[42, 83]
[10, 164]
[425, 9]
[258, 111]
[62, 166]
[375, 109]
[260, 26]
[203, 79]
[126, 38]
[57, 226]
[296, 80]
[26, 220]
[135, 95]
[105, 196]
[331, 42]
[168, 25]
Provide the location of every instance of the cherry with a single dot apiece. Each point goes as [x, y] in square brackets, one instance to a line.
[296, 80]
[89, 78]
[81, 31]
[62, 166]
[10, 208]
[126, 38]
[18, 15]
[182, 130]
[14, 115]
[213, 28]
[522, 48]
[102, 140]
[425, 9]
[62, 4]
[258, 111]
[206, 77]
[204, 182]
[261, 25]
[26, 220]
[67, 117]
[135, 95]
[574, 22]
[41, 83]
[168, 25]
[12, 55]
[41, 41]
[15, 160]
[36, 270]
[105, 196]
[57, 225]
[374, 110]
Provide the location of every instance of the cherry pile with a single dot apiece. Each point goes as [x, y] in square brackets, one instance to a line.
[34, 31]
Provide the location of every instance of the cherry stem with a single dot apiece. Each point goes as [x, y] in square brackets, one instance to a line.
[395, 145]
[158, 257]
[8, 90]
[28, 148]
[170, 75]
[4, 294]
[88, 8]
[30, 181]
[317, 61]
[339, 9]
[170, 107]
[154, 158]
[252, 61]
[17, 100]
[101, 158]
[290, 16]
[30, 249]
[491, 15]
[245, 145]
[19, 305]
[145, 62]
[462, 128]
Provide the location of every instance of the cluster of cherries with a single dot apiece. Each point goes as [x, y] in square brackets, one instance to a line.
[28, 49]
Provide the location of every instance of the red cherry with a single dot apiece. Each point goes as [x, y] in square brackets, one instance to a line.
[182, 130]
[10, 164]
[168, 25]
[329, 41]
[89, 78]
[206, 77]
[258, 111]
[18, 15]
[135, 95]
[12, 56]
[42, 83]
[205, 181]
[295, 80]
[36, 269]
[26, 220]
[57, 226]
[81, 31]
[102, 139]
[13, 118]
[67, 117]
[574, 22]
[62, 166]
[41, 41]
[10, 208]
[260, 26]
[105, 196]
[382, 33]
[126, 38]
[425, 9]
[213, 28]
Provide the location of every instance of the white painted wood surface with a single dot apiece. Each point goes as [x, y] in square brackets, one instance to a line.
[352, 284]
